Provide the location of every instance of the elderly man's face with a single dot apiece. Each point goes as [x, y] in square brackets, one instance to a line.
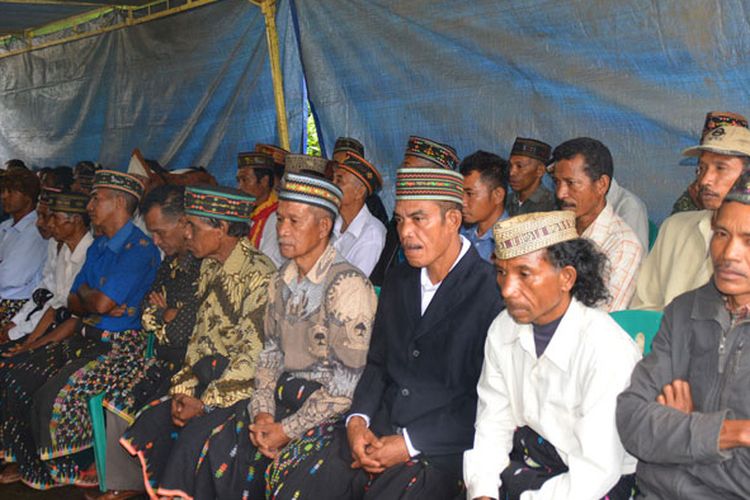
[524, 172]
[301, 228]
[168, 232]
[730, 251]
[101, 206]
[534, 290]
[424, 230]
[42, 221]
[575, 189]
[351, 187]
[203, 239]
[61, 225]
[716, 176]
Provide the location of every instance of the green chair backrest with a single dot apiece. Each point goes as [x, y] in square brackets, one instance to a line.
[640, 325]
[653, 232]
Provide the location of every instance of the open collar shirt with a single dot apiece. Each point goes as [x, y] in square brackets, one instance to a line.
[362, 242]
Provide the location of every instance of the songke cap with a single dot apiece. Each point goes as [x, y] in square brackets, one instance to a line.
[119, 181]
[528, 233]
[278, 154]
[311, 190]
[532, 148]
[362, 170]
[219, 202]
[716, 119]
[69, 203]
[348, 144]
[442, 155]
[252, 159]
[726, 140]
[296, 164]
[432, 184]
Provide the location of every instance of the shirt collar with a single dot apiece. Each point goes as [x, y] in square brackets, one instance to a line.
[424, 277]
[79, 253]
[318, 271]
[357, 225]
[116, 242]
[26, 221]
[599, 229]
[474, 230]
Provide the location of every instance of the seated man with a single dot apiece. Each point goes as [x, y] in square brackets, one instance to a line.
[23, 251]
[279, 162]
[527, 166]
[680, 260]
[68, 223]
[553, 367]
[485, 185]
[219, 367]
[357, 235]
[106, 295]
[256, 177]
[583, 172]
[317, 331]
[413, 410]
[341, 148]
[686, 414]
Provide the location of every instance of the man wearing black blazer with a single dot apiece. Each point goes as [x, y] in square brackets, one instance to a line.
[413, 411]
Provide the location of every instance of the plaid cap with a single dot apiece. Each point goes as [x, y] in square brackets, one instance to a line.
[69, 203]
[362, 170]
[442, 155]
[119, 181]
[278, 154]
[311, 190]
[434, 184]
[528, 233]
[252, 159]
[219, 202]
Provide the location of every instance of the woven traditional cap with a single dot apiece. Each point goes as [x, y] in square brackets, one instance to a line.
[432, 184]
[362, 170]
[296, 164]
[254, 160]
[348, 144]
[532, 148]
[740, 192]
[278, 154]
[219, 202]
[528, 233]
[716, 119]
[442, 155]
[311, 190]
[726, 140]
[44, 195]
[119, 181]
[69, 203]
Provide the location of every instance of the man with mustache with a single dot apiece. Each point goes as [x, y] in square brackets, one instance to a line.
[528, 162]
[553, 367]
[583, 172]
[686, 414]
[679, 261]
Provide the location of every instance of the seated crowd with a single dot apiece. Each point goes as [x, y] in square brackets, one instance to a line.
[286, 339]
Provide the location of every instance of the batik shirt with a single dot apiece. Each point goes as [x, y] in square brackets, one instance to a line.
[317, 328]
[232, 299]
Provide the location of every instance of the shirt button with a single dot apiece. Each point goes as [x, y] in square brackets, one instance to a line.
[415, 353]
[405, 392]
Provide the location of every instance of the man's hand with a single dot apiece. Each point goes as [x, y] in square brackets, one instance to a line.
[260, 418]
[270, 437]
[184, 408]
[118, 311]
[677, 395]
[392, 452]
[362, 442]
[157, 299]
[734, 434]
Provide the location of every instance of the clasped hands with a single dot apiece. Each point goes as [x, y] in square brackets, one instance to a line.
[371, 453]
[267, 435]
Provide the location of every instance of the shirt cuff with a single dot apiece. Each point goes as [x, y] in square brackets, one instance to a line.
[365, 417]
[413, 452]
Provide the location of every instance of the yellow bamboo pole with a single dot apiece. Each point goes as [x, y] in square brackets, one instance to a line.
[268, 7]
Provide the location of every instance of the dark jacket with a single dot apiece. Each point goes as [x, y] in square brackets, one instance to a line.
[422, 371]
[678, 453]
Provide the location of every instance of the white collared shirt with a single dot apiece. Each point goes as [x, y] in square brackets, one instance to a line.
[66, 265]
[269, 242]
[568, 395]
[631, 209]
[362, 242]
[23, 253]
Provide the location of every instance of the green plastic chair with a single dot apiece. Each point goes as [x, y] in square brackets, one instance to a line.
[640, 325]
[377, 291]
[98, 427]
[653, 232]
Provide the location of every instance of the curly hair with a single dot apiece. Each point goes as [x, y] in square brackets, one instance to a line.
[590, 265]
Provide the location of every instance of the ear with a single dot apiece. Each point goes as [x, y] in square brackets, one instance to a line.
[454, 219]
[325, 224]
[223, 228]
[498, 196]
[602, 184]
[567, 278]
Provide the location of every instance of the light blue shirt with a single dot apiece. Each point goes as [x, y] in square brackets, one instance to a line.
[484, 244]
[23, 253]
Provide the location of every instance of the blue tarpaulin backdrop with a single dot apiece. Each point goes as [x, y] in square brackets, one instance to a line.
[637, 75]
[195, 88]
